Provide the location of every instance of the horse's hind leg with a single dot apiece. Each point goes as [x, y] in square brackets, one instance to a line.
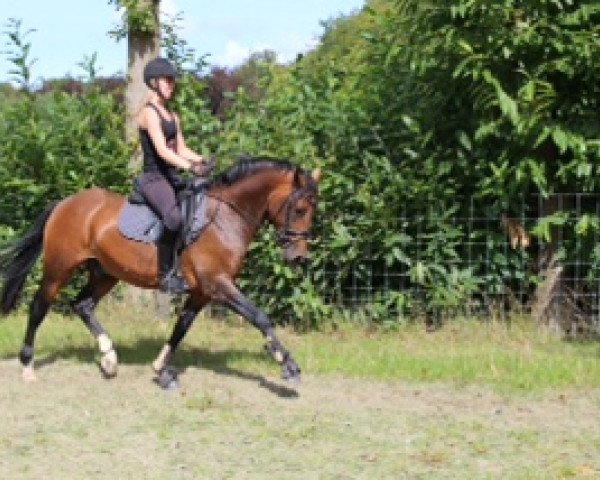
[99, 284]
[37, 312]
[43, 299]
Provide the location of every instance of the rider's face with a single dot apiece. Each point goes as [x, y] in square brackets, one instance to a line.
[166, 86]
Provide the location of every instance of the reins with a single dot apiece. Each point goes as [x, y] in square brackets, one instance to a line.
[285, 234]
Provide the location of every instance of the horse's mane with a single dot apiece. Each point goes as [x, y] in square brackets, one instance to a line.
[247, 166]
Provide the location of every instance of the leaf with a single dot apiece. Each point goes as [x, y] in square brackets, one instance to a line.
[418, 272]
[465, 46]
[584, 169]
[561, 139]
[543, 228]
[587, 224]
[507, 105]
[464, 140]
[527, 92]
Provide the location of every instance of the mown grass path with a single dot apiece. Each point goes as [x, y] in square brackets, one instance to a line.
[358, 413]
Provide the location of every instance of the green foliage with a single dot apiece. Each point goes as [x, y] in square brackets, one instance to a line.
[138, 16]
[18, 53]
[55, 145]
[418, 112]
[519, 117]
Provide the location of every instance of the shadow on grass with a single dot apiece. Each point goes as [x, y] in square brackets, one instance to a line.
[145, 350]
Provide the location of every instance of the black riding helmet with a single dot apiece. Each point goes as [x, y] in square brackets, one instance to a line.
[159, 68]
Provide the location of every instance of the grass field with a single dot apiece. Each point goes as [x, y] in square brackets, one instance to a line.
[468, 401]
[519, 357]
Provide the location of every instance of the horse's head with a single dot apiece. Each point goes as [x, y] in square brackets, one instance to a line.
[291, 210]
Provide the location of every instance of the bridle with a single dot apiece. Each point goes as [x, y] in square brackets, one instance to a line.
[286, 235]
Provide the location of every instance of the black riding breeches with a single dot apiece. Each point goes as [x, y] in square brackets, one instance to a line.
[160, 195]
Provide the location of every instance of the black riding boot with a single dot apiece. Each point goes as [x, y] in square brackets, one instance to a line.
[170, 280]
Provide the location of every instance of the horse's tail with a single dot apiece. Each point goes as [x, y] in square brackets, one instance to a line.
[18, 260]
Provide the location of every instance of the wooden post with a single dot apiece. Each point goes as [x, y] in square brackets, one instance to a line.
[142, 46]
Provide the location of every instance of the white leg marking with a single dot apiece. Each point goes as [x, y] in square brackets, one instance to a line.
[28, 374]
[104, 343]
[278, 356]
[161, 360]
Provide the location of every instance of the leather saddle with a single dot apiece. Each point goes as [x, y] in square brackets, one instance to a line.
[138, 221]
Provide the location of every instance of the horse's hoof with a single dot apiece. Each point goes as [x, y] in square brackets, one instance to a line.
[172, 385]
[167, 379]
[109, 364]
[291, 374]
[28, 375]
[294, 380]
[290, 371]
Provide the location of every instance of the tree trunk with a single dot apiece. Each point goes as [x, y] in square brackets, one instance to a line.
[141, 47]
[550, 302]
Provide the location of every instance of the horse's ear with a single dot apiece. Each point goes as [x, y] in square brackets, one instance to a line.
[298, 180]
[316, 175]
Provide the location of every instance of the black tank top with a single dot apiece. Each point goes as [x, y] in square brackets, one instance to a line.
[153, 162]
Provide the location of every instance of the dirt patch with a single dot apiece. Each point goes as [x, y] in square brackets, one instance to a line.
[72, 424]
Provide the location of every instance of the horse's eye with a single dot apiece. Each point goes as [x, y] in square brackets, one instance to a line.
[300, 211]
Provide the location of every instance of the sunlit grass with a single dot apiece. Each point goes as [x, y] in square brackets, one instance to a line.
[520, 357]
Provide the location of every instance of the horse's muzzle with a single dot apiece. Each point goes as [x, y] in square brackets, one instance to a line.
[300, 262]
[295, 257]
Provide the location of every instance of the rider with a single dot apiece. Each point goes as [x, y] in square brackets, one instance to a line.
[165, 152]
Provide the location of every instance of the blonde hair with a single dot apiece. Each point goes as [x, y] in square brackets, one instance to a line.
[150, 95]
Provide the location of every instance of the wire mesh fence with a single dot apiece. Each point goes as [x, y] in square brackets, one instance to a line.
[494, 253]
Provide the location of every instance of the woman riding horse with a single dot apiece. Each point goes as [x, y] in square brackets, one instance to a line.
[81, 231]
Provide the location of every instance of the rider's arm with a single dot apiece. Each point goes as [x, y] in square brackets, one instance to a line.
[182, 148]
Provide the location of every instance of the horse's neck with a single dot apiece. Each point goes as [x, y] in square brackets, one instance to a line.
[250, 195]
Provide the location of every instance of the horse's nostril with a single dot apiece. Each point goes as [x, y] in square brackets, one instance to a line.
[299, 261]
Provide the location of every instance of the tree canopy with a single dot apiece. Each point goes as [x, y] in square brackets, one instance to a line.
[418, 111]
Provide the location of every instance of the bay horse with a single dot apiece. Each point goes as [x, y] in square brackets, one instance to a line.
[81, 232]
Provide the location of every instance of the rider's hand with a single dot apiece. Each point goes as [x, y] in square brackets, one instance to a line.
[203, 169]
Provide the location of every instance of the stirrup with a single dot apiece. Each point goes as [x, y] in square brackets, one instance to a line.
[173, 284]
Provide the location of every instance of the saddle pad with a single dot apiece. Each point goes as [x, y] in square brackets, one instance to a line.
[139, 222]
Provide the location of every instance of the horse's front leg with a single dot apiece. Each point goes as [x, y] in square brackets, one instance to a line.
[234, 299]
[167, 377]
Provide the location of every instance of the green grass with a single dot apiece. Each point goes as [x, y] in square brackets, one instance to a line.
[519, 358]
[463, 352]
